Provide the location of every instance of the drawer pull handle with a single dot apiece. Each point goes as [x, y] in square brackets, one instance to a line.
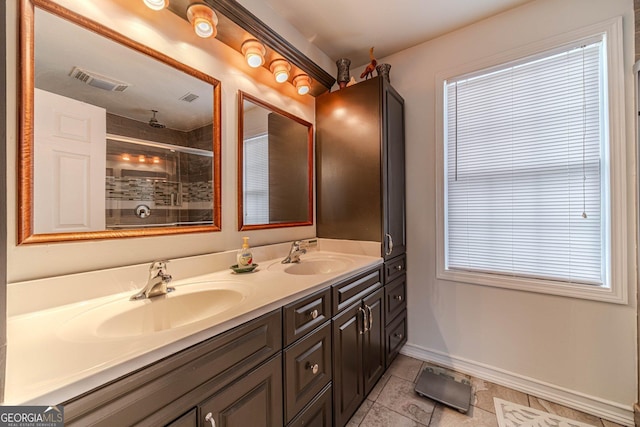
[209, 417]
[397, 297]
[398, 335]
[364, 320]
[313, 314]
[370, 317]
[313, 367]
[399, 267]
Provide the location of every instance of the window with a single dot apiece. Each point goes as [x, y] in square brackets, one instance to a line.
[526, 189]
[256, 179]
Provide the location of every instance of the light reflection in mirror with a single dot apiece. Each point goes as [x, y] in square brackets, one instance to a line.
[275, 169]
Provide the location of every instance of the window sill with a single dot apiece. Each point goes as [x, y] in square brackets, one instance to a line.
[615, 294]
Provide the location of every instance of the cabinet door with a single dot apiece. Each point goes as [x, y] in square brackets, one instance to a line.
[254, 400]
[348, 390]
[393, 173]
[373, 343]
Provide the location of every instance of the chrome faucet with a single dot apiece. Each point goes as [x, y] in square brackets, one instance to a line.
[157, 282]
[299, 247]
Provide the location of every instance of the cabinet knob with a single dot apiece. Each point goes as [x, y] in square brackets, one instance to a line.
[399, 267]
[209, 417]
[313, 367]
[313, 314]
[398, 335]
[397, 297]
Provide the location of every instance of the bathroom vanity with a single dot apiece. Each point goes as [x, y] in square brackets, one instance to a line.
[291, 344]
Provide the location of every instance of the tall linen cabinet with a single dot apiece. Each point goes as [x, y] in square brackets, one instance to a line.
[360, 169]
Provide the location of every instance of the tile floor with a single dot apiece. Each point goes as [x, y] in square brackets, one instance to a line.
[393, 403]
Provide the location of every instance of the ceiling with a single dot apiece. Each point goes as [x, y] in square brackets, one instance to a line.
[347, 29]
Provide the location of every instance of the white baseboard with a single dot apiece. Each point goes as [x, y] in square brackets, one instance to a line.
[602, 408]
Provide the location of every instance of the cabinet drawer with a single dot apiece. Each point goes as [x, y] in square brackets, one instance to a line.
[353, 289]
[306, 314]
[394, 268]
[395, 295]
[190, 419]
[396, 336]
[158, 393]
[253, 400]
[317, 413]
[307, 369]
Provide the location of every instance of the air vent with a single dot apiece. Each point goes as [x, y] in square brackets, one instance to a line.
[98, 80]
[190, 97]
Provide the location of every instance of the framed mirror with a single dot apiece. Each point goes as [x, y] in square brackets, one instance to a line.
[116, 139]
[275, 166]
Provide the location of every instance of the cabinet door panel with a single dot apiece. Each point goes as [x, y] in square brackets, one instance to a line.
[396, 336]
[395, 297]
[348, 390]
[305, 315]
[307, 369]
[373, 344]
[254, 400]
[394, 173]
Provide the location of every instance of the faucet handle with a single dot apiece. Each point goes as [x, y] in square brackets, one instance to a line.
[158, 265]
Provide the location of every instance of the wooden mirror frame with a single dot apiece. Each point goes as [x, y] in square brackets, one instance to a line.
[242, 96]
[26, 74]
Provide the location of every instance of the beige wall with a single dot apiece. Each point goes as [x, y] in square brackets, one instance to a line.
[168, 34]
[581, 351]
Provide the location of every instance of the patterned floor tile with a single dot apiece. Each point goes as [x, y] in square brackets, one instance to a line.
[360, 413]
[405, 367]
[399, 395]
[381, 416]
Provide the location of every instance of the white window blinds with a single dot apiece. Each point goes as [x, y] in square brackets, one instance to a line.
[523, 152]
[256, 180]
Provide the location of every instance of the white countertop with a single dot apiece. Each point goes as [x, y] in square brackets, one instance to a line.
[46, 365]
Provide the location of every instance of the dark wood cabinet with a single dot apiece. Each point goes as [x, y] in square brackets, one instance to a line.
[307, 369]
[157, 394]
[358, 349]
[318, 413]
[255, 399]
[360, 165]
[190, 419]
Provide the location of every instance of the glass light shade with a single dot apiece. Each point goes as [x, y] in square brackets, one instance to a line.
[126, 157]
[280, 69]
[203, 19]
[302, 84]
[254, 53]
[156, 4]
[141, 158]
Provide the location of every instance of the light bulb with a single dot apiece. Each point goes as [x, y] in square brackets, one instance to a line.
[302, 84]
[280, 69]
[253, 52]
[203, 19]
[156, 4]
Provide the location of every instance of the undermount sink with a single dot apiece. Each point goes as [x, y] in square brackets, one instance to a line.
[318, 266]
[124, 318]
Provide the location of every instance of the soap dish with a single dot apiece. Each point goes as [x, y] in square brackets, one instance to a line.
[247, 269]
